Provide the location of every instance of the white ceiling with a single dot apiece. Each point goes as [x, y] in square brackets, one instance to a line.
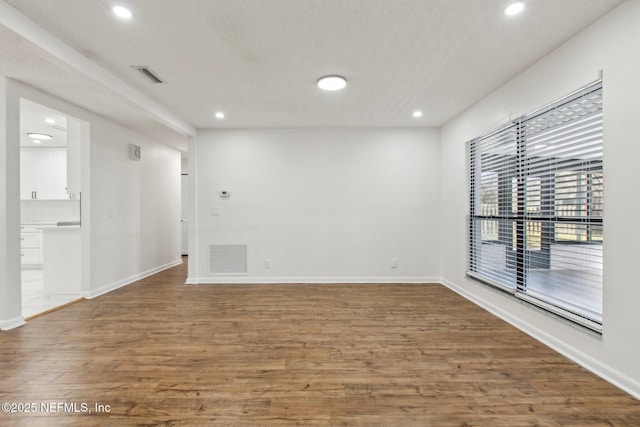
[33, 119]
[258, 60]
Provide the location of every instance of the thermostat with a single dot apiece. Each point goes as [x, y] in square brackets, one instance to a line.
[134, 152]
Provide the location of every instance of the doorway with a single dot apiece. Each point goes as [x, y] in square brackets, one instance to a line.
[50, 207]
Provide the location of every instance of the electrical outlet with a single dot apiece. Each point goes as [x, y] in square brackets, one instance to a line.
[394, 262]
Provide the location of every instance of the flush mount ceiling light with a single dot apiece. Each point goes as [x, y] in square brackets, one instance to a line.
[417, 114]
[219, 115]
[332, 82]
[514, 8]
[122, 12]
[39, 136]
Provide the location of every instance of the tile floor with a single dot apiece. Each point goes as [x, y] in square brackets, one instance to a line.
[34, 301]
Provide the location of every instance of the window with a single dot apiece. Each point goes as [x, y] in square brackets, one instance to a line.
[536, 207]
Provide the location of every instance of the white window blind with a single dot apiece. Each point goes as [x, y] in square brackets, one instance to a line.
[536, 207]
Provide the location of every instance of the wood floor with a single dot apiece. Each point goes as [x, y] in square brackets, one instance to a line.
[159, 352]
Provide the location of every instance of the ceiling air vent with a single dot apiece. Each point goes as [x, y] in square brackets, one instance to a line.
[146, 71]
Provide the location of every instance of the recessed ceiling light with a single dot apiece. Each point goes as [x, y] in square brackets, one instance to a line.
[219, 115]
[39, 136]
[122, 12]
[417, 114]
[514, 8]
[332, 82]
[50, 121]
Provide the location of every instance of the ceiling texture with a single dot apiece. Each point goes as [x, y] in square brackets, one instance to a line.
[258, 60]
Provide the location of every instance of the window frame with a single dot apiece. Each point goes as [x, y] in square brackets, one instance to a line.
[520, 216]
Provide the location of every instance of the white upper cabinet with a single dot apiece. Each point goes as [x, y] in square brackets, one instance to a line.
[43, 173]
[76, 133]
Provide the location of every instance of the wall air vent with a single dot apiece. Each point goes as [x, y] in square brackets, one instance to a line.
[146, 71]
[228, 259]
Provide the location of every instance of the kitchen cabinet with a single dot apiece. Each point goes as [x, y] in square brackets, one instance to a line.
[76, 133]
[43, 173]
[31, 247]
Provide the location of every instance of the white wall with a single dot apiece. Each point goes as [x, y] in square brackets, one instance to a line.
[611, 44]
[130, 210]
[10, 296]
[135, 208]
[321, 204]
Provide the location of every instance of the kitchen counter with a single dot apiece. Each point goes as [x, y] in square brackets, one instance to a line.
[43, 225]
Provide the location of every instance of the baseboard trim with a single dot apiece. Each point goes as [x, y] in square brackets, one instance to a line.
[244, 280]
[16, 322]
[54, 309]
[595, 366]
[127, 281]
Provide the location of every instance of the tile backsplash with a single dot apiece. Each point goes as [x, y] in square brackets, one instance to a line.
[49, 211]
